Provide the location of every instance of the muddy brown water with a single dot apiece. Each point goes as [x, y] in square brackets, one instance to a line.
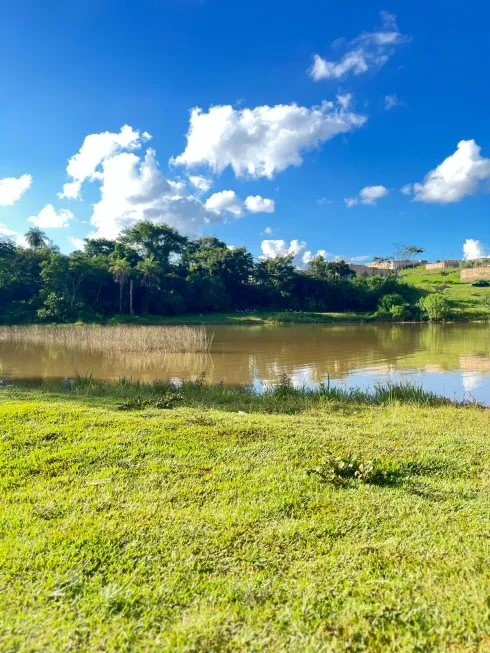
[452, 359]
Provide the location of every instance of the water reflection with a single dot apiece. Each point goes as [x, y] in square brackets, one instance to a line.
[451, 359]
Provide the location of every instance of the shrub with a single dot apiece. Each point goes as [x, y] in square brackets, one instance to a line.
[435, 306]
[387, 302]
[398, 312]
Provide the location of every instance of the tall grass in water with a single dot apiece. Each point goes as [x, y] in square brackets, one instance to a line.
[113, 339]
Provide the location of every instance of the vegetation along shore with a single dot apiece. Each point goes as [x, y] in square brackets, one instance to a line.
[218, 519]
[153, 274]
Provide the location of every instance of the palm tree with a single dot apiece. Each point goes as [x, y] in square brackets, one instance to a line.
[36, 239]
[120, 269]
[149, 270]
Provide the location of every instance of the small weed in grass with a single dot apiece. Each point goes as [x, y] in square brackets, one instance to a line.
[340, 471]
[167, 402]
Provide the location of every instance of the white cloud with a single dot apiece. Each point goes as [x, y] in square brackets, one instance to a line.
[133, 188]
[350, 202]
[6, 232]
[71, 190]
[391, 101]
[201, 183]
[97, 148]
[407, 189]
[263, 141]
[459, 175]
[273, 248]
[268, 230]
[368, 50]
[48, 218]
[353, 61]
[78, 243]
[226, 200]
[12, 189]
[324, 200]
[367, 195]
[474, 249]
[301, 256]
[258, 204]
[309, 256]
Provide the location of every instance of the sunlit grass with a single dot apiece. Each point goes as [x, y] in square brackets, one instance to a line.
[201, 527]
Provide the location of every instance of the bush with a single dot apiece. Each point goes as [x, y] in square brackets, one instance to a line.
[435, 306]
[398, 312]
[387, 302]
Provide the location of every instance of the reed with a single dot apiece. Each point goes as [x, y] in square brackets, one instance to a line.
[113, 339]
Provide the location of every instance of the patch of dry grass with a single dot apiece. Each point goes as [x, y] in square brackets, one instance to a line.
[113, 339]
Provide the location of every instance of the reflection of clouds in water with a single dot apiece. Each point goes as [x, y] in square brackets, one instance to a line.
[471, 380]
[302, 376]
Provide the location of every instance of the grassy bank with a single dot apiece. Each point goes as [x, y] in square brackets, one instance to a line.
[464, 300]
[225, 522]
[260, 317]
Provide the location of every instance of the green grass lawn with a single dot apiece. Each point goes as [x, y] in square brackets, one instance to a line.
[200, 528]
[465, 300]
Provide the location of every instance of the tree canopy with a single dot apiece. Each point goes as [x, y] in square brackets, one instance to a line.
[153, 269]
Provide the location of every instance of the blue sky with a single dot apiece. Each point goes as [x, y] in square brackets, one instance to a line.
[400, 90]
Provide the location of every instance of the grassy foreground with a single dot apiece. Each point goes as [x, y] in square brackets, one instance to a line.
[201, 527]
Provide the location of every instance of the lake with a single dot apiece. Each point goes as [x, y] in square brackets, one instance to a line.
[451, 359]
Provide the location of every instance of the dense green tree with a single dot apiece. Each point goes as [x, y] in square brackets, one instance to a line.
[170, 274]
[154, 240]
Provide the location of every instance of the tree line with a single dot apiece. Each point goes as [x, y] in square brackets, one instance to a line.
[152, 269]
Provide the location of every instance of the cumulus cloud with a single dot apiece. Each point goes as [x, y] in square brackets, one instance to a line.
[273, 248]
[12, 189]
[370, 194]
[133, 188]
[263, 141]
[268, 230]
[97, 148]
[368, 50]
[309, 256]
[367, 195]
[474, 249]
[78, 243]
[201, 183]
[461, 174]
[301, 256]
[407, 189]
[258, 204]
[71, 190]
[48, 218]
[5, 232]
[226, 200]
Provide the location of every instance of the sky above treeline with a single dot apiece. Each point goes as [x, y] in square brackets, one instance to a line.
[312, 127]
